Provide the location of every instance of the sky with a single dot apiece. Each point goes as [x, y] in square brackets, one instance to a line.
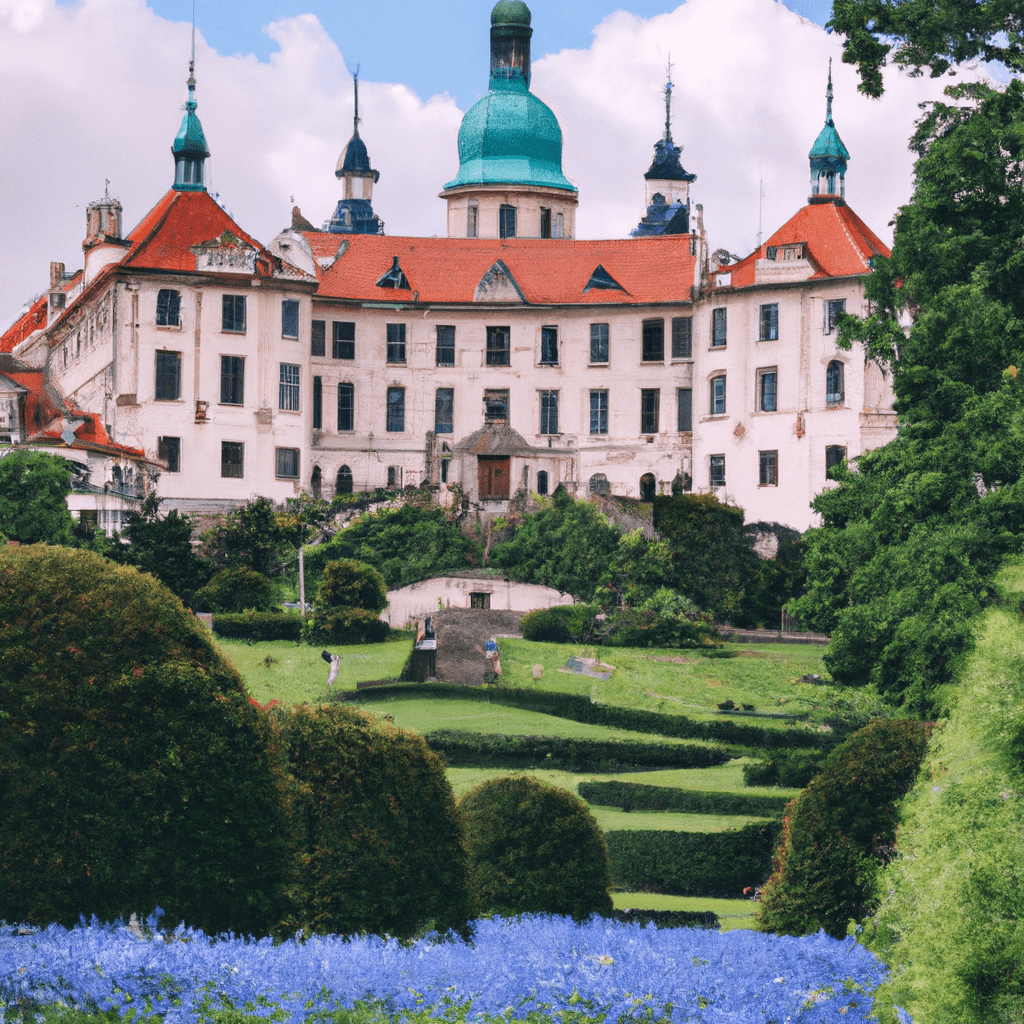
[94, 92]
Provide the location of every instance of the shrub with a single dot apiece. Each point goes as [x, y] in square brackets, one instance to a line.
[380, 842]
[235, 590]
[633, 796]
[534, 849]
[133, 769]
[560, 624]
[840, 829]
[666, 619]
[344, 626]
[259, 626]
[347, 583]
[720, 864]
[793, 769]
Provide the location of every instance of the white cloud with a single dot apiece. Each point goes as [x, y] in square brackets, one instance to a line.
[95, 91]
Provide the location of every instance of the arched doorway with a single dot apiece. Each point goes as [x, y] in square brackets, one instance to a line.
[648, 487]
[314, 482]
[343, 484]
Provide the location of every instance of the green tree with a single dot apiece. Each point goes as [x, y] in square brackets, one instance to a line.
[251, 536]
[236, 590]
[134, 771]
[162, 545]
[347, 583]
[534, 849]
[567, 544]
[33, 498]
[931, 34]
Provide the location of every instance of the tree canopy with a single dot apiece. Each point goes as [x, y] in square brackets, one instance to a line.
[33, 498]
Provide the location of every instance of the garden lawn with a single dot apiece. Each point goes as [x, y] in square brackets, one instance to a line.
[732, 914]
[613, 820]
[295, 673]
[678, 682]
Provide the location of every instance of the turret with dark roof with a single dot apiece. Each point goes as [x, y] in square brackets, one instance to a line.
[354, 214]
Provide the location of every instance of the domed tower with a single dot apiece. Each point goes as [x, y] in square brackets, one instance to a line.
[510, 182]
[828, 157]
[189, 147]
[354, 214]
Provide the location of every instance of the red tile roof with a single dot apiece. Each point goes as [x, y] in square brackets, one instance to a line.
[839, 243]
[33, 319]
[443, 270]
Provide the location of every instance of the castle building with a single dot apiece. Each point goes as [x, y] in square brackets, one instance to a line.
[509, 356]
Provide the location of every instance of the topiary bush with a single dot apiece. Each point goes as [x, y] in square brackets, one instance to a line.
[840, 830]
[235, 590]
[348, 601]
[259, 626]
[380, 841]
[133, 769]
[534, 849]
[561, 623]
[344, 626]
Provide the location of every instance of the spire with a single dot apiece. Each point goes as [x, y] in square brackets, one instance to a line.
[189, 149]
[354, 213]
[668, 100]
[828, 157]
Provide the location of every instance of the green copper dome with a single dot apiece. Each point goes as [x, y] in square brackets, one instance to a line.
[510, 12]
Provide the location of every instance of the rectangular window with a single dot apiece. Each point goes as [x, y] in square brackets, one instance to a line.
[478, 599]
[232, 380]
[834, 455]
[599, 343]
[498, 346]
[168, 376]
[232, 317]
[444, 407]
[346, 406]
[769, 322]
[396, 343]
[318, 403]
[682, 337]
[599, 412]
[445, 346]
[545, 222]
[496, 405]
[318, 338]
[506, 221]
[343, 340]
[168, 308]
[288, 389]
[289, 318]
[719, 326]
[396, 410]
[684, 409]
[769, 471]
[718, 396]
[168, 449]
[650, 409]
[287, 460]
[472, 220]
[767, 390]
[653, 341]
[716, 474]
[549, 346]
[549, 412]
[232, 459]
[833, 308]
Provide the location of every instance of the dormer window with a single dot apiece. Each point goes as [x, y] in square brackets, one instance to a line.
[394, 278]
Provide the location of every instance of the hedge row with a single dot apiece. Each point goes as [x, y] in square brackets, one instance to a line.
[635, 796]
[579, 708]
[670, 918]
[258, 626]
[463, 749]
[793, 768]
[720, 864]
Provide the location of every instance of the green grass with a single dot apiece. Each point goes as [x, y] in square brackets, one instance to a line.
[731, 913]
[425, 714]
[612, 820]
[295, 673]
[678, 682]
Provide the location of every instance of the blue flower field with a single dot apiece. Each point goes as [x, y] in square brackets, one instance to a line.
[533, 967]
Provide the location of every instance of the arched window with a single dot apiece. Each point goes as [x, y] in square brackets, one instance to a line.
[343, 485]
[599, 484]
[446, 460]
[647, 487]
[542, 481]
[834, 384]
[314, 482]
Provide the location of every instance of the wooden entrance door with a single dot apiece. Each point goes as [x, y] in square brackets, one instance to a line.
[493, 474]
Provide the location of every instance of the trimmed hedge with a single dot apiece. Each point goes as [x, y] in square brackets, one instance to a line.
[634, 796]
[720, 864]
[463, 749]
[669, 918]
[580, 708]
[379, 838]
[344, 626]
[259, 626]
[790, 768]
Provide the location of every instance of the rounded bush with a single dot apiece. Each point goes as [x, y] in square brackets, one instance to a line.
[380, 838]
[534, 849]
[561, 623]
[344, 626]
[347, 583]
[235, 590]
[134, 772]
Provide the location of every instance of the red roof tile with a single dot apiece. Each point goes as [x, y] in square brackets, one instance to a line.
[33, 319]
[547, 271]
[839, 243]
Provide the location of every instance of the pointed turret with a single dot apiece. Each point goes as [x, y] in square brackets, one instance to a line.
[354, 214]
[189, 148]
[667, 183]
[828, 157]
